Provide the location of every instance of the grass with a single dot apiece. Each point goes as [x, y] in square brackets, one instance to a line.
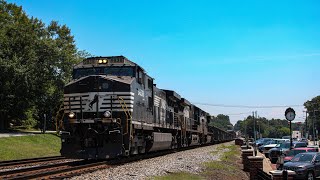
[179, 176]
[31, 146]
[231, 154]
[226, 167]
[226, 159]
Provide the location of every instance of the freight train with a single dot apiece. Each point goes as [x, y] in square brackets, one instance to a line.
[113, 108]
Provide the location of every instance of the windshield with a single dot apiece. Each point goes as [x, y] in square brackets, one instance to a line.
[119, 71]
[303, 158]
[284, 145]
[295, 152]
[271, 142]
[115, 71]
[301, 145]
[266, 140]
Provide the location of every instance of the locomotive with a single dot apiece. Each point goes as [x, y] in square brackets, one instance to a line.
[113, 108]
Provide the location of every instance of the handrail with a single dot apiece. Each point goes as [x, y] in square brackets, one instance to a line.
[127, 113]
[59, 123]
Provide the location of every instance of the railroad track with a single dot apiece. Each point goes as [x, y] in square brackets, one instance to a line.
[28, 162]
[63, 170]
[54, 171]
[69, 169]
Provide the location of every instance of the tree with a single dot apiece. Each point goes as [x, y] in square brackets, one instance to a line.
[313, 109]
[222, 122]
[36, 61]
[273, 128]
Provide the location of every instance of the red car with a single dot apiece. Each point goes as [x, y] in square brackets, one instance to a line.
[296, 151]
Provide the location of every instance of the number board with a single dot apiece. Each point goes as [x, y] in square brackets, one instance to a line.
[116, 60]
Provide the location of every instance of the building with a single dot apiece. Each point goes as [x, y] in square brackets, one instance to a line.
[296, 134]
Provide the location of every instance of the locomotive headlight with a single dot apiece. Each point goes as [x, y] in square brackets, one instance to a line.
[71, 115]
[104, 61]
[107, 114]
[100, 61]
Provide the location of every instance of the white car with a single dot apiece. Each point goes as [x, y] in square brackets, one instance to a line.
[273, 144]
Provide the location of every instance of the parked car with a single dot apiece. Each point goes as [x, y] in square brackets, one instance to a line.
[275, 152]
[314, 146]
[306, 165]
[272, 144]
[296, 151]
[285, 137]
[262, 141]
[297, 144]
[304, 140]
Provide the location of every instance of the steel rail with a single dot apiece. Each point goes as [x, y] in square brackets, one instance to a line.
[63, 172]
[32, 160]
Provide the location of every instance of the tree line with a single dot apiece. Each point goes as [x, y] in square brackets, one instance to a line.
[280, 127]
[36, 61]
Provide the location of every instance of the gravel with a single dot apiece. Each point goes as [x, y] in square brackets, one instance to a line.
[186, 161]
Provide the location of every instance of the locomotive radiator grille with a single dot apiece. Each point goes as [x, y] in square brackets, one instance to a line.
[103, 101]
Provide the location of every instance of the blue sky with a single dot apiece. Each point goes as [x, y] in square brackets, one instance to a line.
[218, 52]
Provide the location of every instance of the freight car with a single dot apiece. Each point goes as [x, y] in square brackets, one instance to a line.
[113, 108]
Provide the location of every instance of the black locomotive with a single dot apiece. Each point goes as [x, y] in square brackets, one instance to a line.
[112, 108]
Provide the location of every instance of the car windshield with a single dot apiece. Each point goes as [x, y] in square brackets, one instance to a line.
[271, 142]
[295, 152]
[283, 145]
[266, 140]
[303, 158]
[301, 145]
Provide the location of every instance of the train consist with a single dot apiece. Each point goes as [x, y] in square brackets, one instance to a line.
[113, 108]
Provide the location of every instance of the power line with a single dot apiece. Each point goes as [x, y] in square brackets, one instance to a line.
[244, 106]
[238, 113]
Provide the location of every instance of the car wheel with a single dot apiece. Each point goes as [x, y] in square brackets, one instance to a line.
[310, 176]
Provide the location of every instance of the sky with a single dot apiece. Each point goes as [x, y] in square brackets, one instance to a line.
[248, 53]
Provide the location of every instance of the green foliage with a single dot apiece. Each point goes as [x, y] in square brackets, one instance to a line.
[179, 176]
[221, 121]
[313, 109]
[30, 120]
[32, 146]
[274, 128]
[35, 61]
[226, 167]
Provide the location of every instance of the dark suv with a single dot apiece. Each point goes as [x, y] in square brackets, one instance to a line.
[306, 165]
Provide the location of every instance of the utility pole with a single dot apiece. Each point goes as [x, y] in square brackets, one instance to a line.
[44, 123]
[313, 130]
[259, 130]
[258, 124]
[306, 124]
[245, 130]
[254, 126]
